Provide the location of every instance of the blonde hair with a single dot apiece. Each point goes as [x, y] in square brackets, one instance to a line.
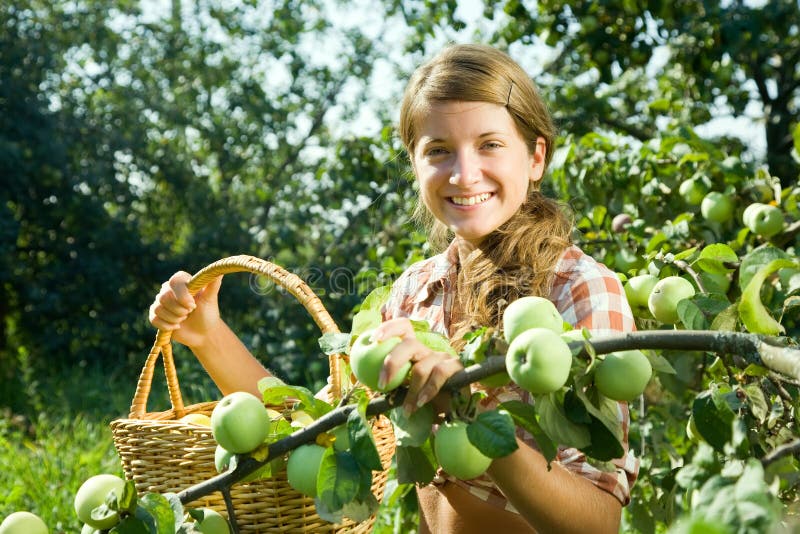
[518, 258]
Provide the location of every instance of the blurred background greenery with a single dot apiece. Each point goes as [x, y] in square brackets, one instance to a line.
[142, 137]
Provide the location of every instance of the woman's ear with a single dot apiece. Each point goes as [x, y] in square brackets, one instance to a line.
[537, 159]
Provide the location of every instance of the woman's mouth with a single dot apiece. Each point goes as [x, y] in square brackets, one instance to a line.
[471, 200]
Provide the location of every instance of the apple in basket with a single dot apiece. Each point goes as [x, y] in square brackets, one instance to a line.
[208, 521]
[240, 422]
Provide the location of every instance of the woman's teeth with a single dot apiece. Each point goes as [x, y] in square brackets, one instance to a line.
[471, 201]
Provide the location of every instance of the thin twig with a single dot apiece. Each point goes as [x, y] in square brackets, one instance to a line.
[787, 449]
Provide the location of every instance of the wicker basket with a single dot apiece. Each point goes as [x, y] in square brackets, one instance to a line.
[161, 454]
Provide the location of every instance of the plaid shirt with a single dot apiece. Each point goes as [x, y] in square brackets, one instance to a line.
[585, 292]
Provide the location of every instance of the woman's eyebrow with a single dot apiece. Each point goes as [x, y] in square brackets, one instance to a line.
[425, 139]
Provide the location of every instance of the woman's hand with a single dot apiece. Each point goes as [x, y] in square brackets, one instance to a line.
[190, 319]
[429, 371]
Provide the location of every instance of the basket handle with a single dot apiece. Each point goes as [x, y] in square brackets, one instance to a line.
[280, 276]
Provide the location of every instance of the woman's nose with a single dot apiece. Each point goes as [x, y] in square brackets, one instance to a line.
[464, 172]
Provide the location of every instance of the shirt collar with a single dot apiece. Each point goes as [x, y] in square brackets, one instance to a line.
[443, 274]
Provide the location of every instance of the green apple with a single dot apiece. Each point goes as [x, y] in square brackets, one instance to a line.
[620, 222]
[766, 221]
[623, 375]
[240, 422]
[23, 523]
[637, 290]
[692, 191]
[538, 360]
[92, 493]
[717, 207]
[530, 312]
[212, 522]
[666, 294]
[303, 467]
[456, 454]
[366, 361]
[749, 211]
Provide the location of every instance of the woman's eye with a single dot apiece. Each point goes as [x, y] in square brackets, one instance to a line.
[436, 151]
[491, 145]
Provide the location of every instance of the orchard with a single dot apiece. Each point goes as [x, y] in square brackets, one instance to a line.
[136, 142]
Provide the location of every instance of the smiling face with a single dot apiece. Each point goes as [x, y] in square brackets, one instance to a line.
[473, 166]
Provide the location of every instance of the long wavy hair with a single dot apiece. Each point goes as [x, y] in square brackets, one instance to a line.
[518, 258]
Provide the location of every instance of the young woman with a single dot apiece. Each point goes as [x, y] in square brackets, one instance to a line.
[479, 138]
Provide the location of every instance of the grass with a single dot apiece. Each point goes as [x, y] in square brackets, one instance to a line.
[44, 461]
[57, 436]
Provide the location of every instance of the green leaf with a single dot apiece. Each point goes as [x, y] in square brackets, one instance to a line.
[420, 326]
[659, 363]
[102, 512]
[339, 479]
[603, 409]
[361, 508]
[412, 430]
[756, 401]
[334, 343]
[436, 341]
[605, 445]
[160, 510]
[176, 505]
[365, 320]
[713, 257]
[493, 433]
[754, 315]
[697, 312]
[524, 415]
[127, 501]
[556, 425]
[414, 465]
[713, 423]
[376, 298]
[275, 393]
[756, 260]
[727, 319]
[362, 442]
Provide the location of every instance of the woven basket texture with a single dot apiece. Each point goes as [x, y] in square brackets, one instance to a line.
[161, 454]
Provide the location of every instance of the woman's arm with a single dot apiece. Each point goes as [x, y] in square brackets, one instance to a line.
[556, 500]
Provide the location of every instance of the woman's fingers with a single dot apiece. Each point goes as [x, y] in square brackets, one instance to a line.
[179, 284]
[429, 370]
[394, 327]
[173, 303]
[427, 378]
[408, 350]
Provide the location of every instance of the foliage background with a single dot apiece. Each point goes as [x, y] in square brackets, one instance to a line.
[139, 138]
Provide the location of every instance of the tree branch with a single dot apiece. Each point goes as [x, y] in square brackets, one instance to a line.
[787, 449]
[752, 348]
